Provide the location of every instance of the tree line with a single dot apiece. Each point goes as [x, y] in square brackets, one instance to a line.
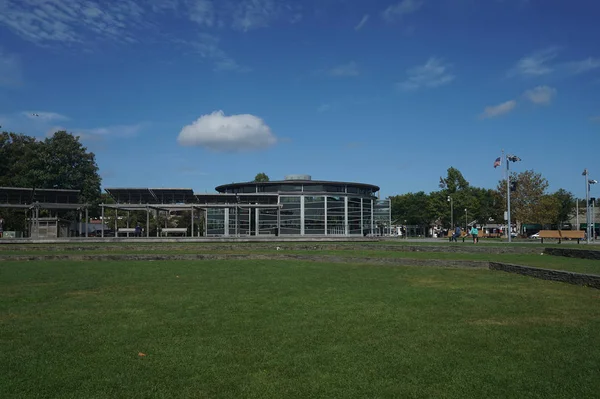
[531, 203]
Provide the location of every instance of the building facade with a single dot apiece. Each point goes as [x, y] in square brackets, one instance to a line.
[304, 207]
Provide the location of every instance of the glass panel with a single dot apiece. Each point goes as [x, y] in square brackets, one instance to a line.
[267, 221]
[335, 188]
[335, 216]
[354, 214]
[366, 216]
[353, 190]
[314, 188]
[290, 215]
[215, 223]
[314, 215]
[290, 187]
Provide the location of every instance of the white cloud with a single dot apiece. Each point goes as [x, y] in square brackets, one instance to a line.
[362, 22]
[405, 7]
[10, 70]
[218, 132]
[45, 117]
[349, 69]
[542, 95]
[433, 73]
[324, 108]
[203, 13]
[500, 109]
[207, 46]
[536, 64]
[589, 64]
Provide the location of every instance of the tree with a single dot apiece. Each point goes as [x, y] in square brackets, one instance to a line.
[526, 200]
[412, 207]
[566, 206]
[261, 177]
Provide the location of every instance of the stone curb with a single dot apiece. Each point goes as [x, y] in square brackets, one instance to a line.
[282, 257]
[586, 280]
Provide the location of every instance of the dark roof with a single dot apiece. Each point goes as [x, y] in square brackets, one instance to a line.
[224, 187]
[26, 196]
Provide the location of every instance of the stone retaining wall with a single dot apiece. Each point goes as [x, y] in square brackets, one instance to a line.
[282, 257]
[589, 280]
[574, 253]
[448, 248]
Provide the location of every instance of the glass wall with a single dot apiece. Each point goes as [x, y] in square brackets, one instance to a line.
[290, 215]
[367, 216]
[215, 222]
[314, 215]
[336, 216]
[382, 215]
[354, 215]
[267, 221]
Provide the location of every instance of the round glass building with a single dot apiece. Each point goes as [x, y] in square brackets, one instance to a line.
[300, 206]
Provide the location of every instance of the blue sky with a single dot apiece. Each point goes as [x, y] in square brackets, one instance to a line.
[198, 93]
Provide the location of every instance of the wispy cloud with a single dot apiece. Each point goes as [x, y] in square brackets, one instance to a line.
[345, 70]
[254, 14]
[324, 108]
[44, 116]
[362, 22]
[208, 47]
[433, 73]
[541, 95]
[100, 133]
[583, 66]
[595, 119]
[498, 110]
[398, 11]
[10, 70]
[536, 64]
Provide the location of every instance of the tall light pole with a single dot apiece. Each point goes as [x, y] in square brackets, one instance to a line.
[466, 220]
[588, 183]
[451, 211]
[509, 159]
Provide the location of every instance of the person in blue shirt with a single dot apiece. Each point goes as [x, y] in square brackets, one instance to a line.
[457, 232]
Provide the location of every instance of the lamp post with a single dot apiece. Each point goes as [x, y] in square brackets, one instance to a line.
[588, 183]
[509, 159]
[451, 211]
[466, 220]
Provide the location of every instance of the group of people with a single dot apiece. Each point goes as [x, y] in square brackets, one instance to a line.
[473, 233]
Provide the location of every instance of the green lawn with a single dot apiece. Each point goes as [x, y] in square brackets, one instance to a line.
[269, 329]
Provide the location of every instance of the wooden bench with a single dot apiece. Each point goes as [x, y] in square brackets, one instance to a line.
[463, 234]
[562, 235]
[573, 235]
[177, 230]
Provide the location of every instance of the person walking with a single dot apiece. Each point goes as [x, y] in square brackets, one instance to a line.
[474, 232]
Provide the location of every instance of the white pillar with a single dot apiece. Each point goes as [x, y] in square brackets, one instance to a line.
[302, 215]
[346, 230]
[226, 223]
[325, 214]
[256, 224]
[361, 218]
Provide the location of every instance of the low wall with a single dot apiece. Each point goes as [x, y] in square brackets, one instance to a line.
[588, 280]
[573, 253]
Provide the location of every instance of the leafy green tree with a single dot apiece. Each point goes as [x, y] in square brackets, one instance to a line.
[525, 200]
[261, 177]
[566, 206]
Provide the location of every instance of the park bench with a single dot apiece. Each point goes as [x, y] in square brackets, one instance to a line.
[176, 230]
[126, 230]
[554, 234]
[572, 235]
[463, 234]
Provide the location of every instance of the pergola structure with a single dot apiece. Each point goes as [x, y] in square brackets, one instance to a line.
[180, 199]
[35, 199]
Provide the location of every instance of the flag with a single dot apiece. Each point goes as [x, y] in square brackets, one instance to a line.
[497, 162]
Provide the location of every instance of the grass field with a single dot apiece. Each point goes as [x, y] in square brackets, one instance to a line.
[269, 329]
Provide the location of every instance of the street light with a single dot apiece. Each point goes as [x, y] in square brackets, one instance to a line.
[588, 183]
[466, 221]
[451, 212]
[509, 159]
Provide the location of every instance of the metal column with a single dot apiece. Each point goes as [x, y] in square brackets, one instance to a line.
[102, 219]
[346, 232]
[325, 215]
[147, 222]
[302, 215]
[87, 218]
[192, 230]
[361, 219]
